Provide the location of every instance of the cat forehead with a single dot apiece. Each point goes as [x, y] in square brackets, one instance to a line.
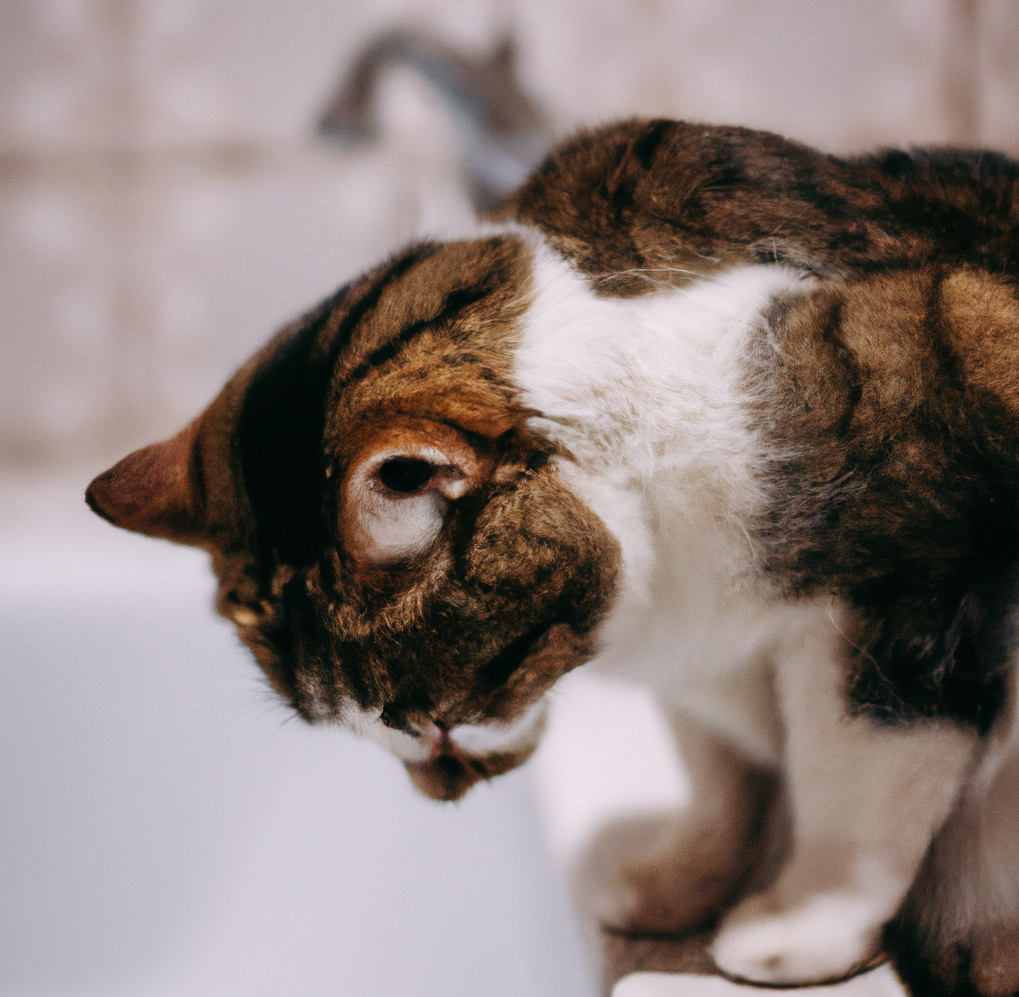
[427, 336]
[429, 333]
[433, 301]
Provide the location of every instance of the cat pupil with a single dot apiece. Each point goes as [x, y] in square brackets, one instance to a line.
[405, 474]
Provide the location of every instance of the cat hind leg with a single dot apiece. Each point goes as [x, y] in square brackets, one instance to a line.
[958, 933]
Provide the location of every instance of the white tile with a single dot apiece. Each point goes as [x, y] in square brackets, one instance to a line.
[128, 295]
[65, 79]
[259, 71]
[998, 73]
[59, 295]
[864, 76]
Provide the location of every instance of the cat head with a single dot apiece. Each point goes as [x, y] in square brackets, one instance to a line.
[393, 543]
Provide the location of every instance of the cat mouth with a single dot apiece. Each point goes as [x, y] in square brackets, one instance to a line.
[461, 756]
[452, 772]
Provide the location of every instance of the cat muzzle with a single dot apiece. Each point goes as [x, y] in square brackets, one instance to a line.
[451, 771]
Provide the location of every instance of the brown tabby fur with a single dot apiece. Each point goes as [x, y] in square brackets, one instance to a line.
[680, 200]
[889, 396]
[893, 406]
[905, 454]
[524, 570]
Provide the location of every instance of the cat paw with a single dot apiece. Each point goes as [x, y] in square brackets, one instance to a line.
[825, 938]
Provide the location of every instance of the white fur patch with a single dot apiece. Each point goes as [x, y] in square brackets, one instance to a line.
[494, 737]
[646, 394]
[822, 939]
[476, 740]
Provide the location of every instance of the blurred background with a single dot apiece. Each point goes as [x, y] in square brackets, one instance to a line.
[165, 203]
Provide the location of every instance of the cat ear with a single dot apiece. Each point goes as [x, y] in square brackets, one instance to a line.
[154, 491]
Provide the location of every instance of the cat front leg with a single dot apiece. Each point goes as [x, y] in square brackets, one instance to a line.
[865, 801]
[674, 873]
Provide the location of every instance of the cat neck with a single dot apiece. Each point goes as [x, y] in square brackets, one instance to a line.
[651, 400]
[650, 395]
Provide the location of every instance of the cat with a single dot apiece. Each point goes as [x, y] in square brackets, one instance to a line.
[733, 417]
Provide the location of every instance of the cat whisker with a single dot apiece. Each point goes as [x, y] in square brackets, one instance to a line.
[273, 704]
[755, 550]
[852, 643]
[645, 272]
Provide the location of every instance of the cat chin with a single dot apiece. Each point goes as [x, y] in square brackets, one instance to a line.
[451, 773]
[468, 754]
[446, 764]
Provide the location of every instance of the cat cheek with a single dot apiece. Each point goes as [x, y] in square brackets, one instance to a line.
[500, 738]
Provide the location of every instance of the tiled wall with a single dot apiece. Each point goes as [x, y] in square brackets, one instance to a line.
[164, 203]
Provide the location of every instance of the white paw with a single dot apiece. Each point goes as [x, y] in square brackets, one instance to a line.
[825, 938]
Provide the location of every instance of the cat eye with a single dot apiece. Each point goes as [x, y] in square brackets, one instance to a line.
[397, 492]
[405, 475]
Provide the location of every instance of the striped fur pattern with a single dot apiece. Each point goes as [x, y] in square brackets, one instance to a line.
[729, 416]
